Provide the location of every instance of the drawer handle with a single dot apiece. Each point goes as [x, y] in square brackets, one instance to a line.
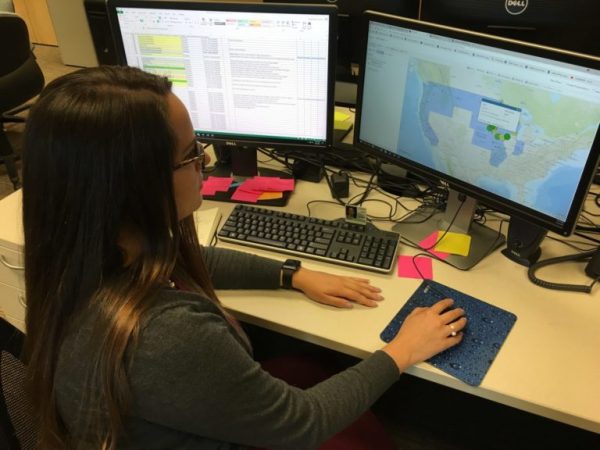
[9, 265]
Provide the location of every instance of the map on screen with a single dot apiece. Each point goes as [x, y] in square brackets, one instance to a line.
[517, 140]
[517, 126]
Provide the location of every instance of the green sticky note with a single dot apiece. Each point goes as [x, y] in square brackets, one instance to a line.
[454, 243]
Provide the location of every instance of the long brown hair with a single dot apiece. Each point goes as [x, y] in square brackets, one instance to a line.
[97, 157]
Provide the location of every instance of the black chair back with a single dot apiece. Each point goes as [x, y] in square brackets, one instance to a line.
[17, 424]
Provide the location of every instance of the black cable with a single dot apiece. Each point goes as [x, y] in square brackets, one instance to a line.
[561, 286]
[589, 238]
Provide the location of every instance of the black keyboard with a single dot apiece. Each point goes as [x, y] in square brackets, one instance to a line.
[335, 241]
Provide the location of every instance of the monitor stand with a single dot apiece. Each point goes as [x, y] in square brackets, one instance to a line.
[461, 208]
[240, 163]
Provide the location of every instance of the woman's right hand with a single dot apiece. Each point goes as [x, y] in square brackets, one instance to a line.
[425, 333]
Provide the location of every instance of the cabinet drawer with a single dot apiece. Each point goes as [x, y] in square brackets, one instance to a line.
[11, 268]
[12, 305]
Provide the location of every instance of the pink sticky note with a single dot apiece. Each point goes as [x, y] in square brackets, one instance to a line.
[219, 183]
[270, 184]
[244, 196]
[407, 269]
[285, 184]
[208, 190]
[428, 244]
[249, 189]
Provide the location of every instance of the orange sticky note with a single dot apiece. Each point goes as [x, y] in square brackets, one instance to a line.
[454, 243]
[270, 195]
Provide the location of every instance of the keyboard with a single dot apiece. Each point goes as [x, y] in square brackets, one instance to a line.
[335, 241]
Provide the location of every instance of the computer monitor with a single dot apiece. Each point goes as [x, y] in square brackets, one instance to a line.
[351, 39]
[250, 74]
[510, 124]
[566, 24]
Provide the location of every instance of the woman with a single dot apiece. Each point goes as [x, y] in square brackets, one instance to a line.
[127, 344]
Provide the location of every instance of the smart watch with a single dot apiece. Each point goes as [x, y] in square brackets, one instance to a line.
[289, 268]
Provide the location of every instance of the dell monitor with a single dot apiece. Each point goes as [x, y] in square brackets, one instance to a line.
[565, 24]
[512, 125]
[250, 75]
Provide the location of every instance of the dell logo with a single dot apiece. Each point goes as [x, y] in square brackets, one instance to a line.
[515, 7]
[231, 143]
[331, 1]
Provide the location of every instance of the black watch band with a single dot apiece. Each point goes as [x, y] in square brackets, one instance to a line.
[289, 268]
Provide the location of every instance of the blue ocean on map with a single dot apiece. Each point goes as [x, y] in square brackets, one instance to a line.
[412, 143]
[554, 194]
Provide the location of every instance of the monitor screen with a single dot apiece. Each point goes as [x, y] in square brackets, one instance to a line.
[350, 37]
[512, 125]
[247, 73]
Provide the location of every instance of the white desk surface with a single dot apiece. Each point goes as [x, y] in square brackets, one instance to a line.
[549, 364]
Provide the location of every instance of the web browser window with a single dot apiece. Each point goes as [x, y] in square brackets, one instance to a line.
[515, 125]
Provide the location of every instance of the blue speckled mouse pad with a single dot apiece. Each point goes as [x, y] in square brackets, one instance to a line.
[487, 328]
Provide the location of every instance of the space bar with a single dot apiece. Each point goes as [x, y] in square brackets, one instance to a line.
[264, 241]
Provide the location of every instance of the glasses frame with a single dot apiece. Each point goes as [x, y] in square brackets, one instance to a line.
[199, 152]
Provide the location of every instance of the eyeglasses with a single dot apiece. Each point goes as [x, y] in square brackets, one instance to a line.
[195, 154]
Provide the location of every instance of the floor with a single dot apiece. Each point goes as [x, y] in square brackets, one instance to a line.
[419, 414]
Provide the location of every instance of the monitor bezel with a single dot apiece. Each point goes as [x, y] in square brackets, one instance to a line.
[237, 139]
[491, 200]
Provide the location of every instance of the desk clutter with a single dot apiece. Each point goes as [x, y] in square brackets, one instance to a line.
[486, 330]
[265, 190]
[337, 241]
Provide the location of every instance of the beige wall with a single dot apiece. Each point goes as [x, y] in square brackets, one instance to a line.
[35, 13]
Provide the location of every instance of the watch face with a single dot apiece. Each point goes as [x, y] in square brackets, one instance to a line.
[292, 264]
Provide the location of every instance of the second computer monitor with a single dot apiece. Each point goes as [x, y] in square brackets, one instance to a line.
[509, 124]
[249, 74]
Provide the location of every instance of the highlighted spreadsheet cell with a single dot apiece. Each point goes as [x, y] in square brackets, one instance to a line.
[161, 45]
[502, 116]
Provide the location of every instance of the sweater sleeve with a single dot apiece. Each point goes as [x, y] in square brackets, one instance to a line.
[190, 373]
[231, 269]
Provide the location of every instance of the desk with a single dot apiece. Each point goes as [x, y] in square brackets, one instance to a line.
[549, 365]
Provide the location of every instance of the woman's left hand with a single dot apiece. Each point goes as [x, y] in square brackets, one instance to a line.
[336, 290]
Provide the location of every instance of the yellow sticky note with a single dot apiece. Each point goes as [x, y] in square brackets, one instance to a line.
[454, 243]
[340, 116]
[270, 195]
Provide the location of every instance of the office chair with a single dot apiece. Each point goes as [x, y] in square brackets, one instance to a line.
[17, 424]
[21, 79]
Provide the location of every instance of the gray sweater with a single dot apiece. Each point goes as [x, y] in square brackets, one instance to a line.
[195, 385]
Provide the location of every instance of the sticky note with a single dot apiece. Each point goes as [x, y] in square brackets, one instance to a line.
[428, 244]
[338, 115]
[214, 184]
[208, 190]
[270, 195]
[268, 184]
[407, 267]
[454, 243]
[244, 196]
